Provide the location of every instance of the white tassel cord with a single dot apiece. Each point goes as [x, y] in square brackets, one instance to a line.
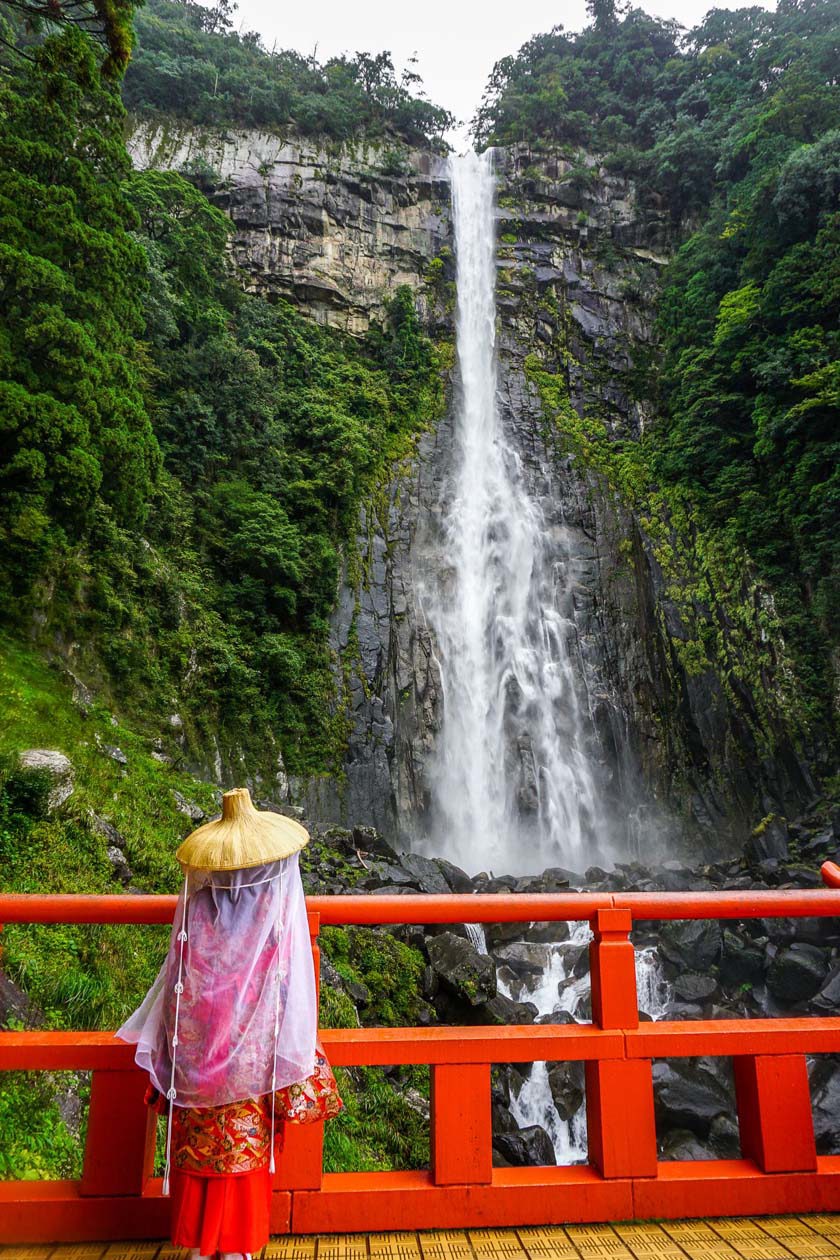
[172, 1093]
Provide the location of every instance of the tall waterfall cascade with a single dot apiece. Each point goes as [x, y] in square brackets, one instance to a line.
[512, 784]
[516, 782]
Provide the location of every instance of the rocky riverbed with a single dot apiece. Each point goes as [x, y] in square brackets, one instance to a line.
[502, 974]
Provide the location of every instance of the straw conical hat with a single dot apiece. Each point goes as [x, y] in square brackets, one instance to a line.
[244, 836]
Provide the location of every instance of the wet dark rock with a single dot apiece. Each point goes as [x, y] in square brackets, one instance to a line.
[558, 1016]
[464, 972]
[458, 880]
[549, 933]
[743, 961]
[425, 873]
[385, 873]
[825, 1096]
[688, 1096]
[503, 1010]
[368, 840]
[695, 986]
[565, 1081]
[683, 1144]
[502, 1120]
[522, 959]
[797, 972]
[828, 998]
[526, 1147]
[694, 944]
[725, 1137]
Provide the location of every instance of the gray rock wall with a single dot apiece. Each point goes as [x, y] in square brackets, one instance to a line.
[688, 756]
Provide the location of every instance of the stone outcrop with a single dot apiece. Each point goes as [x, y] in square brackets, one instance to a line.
[335, 230]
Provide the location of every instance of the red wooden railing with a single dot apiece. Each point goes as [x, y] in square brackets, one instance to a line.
[780, 1171]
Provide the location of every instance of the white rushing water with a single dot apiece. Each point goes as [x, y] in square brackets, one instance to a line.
[513, 781]
[513, 789]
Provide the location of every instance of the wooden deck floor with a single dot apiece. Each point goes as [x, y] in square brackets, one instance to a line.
[759, 1238]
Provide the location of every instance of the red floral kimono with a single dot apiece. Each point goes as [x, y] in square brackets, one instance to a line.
[221, 1185]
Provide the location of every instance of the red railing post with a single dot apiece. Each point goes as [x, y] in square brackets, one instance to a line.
[120, 1144]
[619, 1092]
[301, 1162]
[461, 1142]
[774, 1112]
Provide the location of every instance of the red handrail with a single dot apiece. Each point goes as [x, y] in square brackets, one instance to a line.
[779, 1171]
[452, 908]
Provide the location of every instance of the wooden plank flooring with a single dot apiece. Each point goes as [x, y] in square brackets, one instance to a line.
[744, 1238]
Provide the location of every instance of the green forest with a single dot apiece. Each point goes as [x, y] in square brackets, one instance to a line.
[183, 461]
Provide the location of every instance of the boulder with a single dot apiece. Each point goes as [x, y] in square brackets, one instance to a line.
[566, 1084]
[503, 1010]
[683, 1144]
[424, 872]
[725, 1137]
[691, 944]
[458, 880]
[465, 972]
[825, 1095]
[688, 1096]
[828, 998]
[57, 767]
[368, 840]
[522, 958]
[694, 986]
[742, 962]
[526, 1147]
[798, 972]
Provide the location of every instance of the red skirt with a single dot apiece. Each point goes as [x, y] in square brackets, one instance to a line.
[221, 1213]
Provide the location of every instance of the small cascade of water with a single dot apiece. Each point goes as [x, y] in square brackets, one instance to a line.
[513, 783]
[477, 938]
[559, 989]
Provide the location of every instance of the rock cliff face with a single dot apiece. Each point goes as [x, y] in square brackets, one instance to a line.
[335, 231]
[690, 751]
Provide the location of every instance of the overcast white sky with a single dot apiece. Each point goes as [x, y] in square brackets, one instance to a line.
[456, 41]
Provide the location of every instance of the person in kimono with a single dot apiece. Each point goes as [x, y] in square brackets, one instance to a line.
[228, 1030]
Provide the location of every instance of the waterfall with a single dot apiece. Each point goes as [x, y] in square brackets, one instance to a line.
[512, 785]
[516, 780]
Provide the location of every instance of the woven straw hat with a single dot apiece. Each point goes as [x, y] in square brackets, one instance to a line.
[244, 836]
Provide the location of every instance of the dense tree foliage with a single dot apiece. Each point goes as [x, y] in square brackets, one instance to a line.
[678, 110]
[75, 436]
[186, 65]
[181, 463]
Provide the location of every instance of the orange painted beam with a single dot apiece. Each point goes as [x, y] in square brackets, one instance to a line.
[357, 1202]
[689, 1038]
[775, 1117]
[54, 1211]
[735, 1187]
[462, 1130]
[346, 1047]
[120, 1143]
[620, 1121]
[507, 1043]
[450, 908]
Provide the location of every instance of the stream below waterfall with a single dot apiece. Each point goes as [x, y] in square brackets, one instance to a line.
[518, 776]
